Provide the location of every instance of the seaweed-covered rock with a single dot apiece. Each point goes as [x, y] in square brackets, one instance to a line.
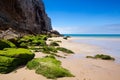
[11, 58]
[17, 53]
[8, 61]
[104, 57]
[4, 69]
[65, 50]
[101, 56]
[48, 49]
[6, 44]
[29, 40]
[54, 43]
[49, 67]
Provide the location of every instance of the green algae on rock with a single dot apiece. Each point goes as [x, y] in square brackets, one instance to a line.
[48, 67]
[101, 56]
[11, 58]
[6, 44]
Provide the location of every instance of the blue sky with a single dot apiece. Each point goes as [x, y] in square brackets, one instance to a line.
[84, 16]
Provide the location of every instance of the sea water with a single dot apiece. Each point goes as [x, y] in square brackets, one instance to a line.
[94, 35]
[109, 43]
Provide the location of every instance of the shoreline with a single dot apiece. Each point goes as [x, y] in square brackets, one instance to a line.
[82, 68]
[109, 46]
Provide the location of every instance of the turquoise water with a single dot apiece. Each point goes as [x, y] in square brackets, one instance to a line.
[93, 35]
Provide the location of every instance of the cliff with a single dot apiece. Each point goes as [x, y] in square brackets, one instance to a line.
[24, 16]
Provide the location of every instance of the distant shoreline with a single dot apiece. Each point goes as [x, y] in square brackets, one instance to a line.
[94, 35]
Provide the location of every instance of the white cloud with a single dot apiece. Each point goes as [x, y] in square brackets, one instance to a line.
[108, 29]
[67, 30]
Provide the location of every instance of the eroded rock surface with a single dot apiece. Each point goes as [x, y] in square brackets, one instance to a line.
[24, 16]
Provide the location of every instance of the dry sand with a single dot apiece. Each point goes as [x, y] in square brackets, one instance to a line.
[81, 67]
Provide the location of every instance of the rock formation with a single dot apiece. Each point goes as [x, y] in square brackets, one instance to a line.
[24, 16]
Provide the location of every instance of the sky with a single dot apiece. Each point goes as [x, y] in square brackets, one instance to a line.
[84, 16]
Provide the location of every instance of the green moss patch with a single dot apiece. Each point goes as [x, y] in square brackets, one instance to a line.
[54, 44]
[11, 58]
[17, 53]
[31, 40]
[65, 50]
[4, 69]
[6, 44]
[48, 49]
[48, 67]
[101, 56]
[52, 50]
[7, 61]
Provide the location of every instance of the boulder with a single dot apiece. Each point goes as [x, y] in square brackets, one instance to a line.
[12, 58]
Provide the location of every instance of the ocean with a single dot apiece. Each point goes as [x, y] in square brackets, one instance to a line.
[94, 35]
[109, 43]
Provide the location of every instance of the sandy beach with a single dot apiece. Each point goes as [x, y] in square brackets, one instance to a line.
[77, 64]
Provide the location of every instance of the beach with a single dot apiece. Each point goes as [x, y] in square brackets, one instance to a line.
[82, 68]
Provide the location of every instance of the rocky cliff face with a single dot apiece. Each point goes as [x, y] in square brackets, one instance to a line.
[26, 16]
